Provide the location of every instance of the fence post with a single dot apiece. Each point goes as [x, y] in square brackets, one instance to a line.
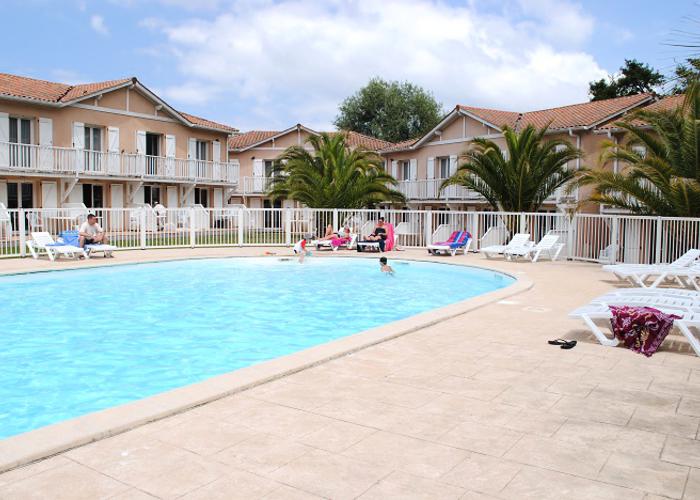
[428, 214]
[287, 226]
[570, 237]
[614, 240]
[193, 236]
[21, 219]
[335, 219]
[241, 222]
[142, 227]
[659, 228]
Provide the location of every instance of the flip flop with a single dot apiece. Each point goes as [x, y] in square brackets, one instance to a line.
[557, 342]
[569, 345]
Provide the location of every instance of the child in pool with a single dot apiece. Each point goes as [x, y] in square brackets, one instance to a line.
[300, 249]
[385, 267]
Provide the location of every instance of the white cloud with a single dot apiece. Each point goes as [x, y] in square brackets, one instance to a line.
[97, 23]
[300, 58]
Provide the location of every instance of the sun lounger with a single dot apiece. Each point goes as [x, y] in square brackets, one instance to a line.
[519, 240]
[44, 242]
[458, 240]
[336, 243]
[640, 274]
[599, 311]
[72, 237]
[549, 245]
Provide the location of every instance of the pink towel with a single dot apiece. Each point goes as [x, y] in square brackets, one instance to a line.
[641, 329]
[389, 244]
[336, 242]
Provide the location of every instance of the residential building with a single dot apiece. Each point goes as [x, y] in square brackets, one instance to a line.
[421, 165]
[256, 150]
[109, 144]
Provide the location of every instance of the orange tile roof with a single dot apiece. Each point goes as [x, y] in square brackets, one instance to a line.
[203, 122]
[400, 146]
[366, 141]
[494, 116]
[667, 103]
[61, 93]
[246, 139]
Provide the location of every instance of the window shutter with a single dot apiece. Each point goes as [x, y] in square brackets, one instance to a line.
[170, 155]
[45, 143]
[141, 152]
[113, 150]
[4, 139]
[79, 145]
[192, 155]
[258, 175]
[413, 169]
[453, 164]
[394, 169]
[216, 158]
[431, 168]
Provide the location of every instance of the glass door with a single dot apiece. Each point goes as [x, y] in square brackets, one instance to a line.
[20, 142]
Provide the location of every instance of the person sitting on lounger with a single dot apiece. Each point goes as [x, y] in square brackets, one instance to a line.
[91, 233]
[378, 235]
[330, 234]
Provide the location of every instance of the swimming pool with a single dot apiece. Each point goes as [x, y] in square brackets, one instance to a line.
[79, 341]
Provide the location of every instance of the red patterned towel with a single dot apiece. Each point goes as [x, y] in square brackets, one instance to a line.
[641, 329]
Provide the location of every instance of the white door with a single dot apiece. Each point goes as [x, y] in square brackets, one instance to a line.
[171, 201]
[116, 201]
[49, 195]
[113, 148]
[3, 193]
[258, 175]
[170, 156]
[218, 198]
[46, 144]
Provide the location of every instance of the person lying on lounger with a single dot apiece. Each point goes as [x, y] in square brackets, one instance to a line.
[330, 234]
[378, 235]
[91, 233]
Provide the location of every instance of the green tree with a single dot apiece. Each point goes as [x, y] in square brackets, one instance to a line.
[521, 179]
[662, 163]
[332, 176]
[635, 77]
[392, 111]
[684, 74]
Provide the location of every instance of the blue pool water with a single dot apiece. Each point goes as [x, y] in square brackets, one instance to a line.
[78, 341]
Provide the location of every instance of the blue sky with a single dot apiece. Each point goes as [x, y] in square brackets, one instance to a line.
[270, 64]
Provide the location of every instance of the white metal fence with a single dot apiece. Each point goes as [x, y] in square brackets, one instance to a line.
[587, 237]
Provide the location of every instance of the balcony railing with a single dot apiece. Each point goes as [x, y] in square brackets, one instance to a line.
[53, 160]
[429, 189]
[254, 185]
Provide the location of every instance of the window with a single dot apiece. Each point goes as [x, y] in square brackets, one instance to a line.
[640, 150]
[20, 133]
[151, 195]
[93, 138]
[268, 167]
[92, 195]
[200, 152]
[405, 170]
[19, 195]
[272, 218]
[152, 144]
[201, 197]
[444, 167]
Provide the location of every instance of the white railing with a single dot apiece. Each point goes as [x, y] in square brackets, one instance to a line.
[254, 185]
[429, 189]
[52, 160]
[587, 237]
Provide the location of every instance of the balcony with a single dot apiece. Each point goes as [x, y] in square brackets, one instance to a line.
[429, 189]
[254, 185]
[49, 160]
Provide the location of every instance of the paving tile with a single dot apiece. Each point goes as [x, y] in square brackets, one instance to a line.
[280, 420]
[540, 484]
[651, 400]
[288, 493]
[464, 409]
[527, 398]
[676, 387]
[647, 474]
[689, 406]
[481, 438]
[330, 476]
[599, 410]
[234, 485]
[538, 422]
[337, 436]
[415, 456]
[132, 494]
[406, 486]
[485, 390]
[676, 425]
[692, 487]
[473, 495]
[262, 454]
[682, 451]
[613, 438]
[204, 436]
[293, 395]
[70, 481]
[33, 469]
[482, 473]
[561, 456]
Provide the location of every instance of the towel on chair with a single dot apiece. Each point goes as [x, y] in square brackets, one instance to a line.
[641, 329]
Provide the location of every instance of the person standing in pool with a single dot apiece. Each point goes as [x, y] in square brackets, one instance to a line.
[300, 249]
[385, 267]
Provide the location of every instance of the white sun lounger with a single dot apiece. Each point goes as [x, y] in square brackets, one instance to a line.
[639, 274]
[44, 242]
[599, 311]
[319, 244]
[100, 247]
[549, 245]
[519, 241]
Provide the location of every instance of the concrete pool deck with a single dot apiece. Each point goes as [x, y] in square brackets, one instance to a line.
[477, 406]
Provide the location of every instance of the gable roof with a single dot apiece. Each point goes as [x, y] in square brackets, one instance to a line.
[667, 103]
[249, 140]
[496, 118]
[60, 95]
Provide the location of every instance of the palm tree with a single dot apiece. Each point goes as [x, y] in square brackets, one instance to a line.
[662, 172]
[520, 179]
[332, 176]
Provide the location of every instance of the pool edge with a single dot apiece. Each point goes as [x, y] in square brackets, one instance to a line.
[50, 440]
